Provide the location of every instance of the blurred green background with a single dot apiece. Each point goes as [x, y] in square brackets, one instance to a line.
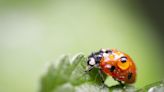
[36, 32]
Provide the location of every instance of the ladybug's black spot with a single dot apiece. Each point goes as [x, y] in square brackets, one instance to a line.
[112, 68]
[129, 76]
[108, 51]
[123, 59]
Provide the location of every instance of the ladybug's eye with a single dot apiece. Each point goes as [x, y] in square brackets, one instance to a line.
[123, 63]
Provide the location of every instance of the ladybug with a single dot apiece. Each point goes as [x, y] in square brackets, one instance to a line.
[113, 63]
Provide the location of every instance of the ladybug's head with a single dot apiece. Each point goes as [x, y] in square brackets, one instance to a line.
[95, 58]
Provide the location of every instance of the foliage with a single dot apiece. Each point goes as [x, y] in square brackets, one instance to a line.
[69, 76]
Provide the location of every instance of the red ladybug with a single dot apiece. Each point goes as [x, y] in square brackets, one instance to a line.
[113, 63]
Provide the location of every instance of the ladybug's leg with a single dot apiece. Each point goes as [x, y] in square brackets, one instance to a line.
[119, 81]
[101, 75]
[89, 68]
[102, 78]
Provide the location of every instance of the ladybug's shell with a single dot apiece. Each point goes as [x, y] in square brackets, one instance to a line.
[127, 75]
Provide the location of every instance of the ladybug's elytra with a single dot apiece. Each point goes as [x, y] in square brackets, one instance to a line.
[113, 63]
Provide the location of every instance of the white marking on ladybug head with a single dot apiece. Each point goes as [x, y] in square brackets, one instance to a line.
[92, 61]
[116, 56]
[105, 55]
[99, 55]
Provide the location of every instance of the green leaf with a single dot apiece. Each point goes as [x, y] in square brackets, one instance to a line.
[153, 87]
[69, 72]
[87, 87]
[67, 87]
[77, 70]
[55, 76]
[69, 76]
